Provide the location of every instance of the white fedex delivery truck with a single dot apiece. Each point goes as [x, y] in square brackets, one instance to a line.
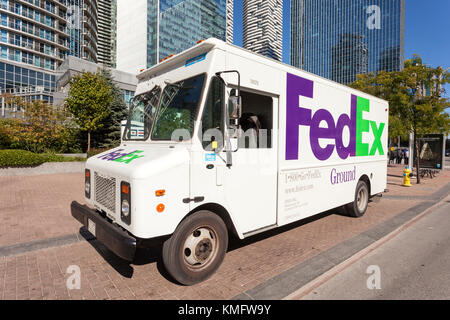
[221, 141]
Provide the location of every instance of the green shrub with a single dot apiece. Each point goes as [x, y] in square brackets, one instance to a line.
[22, 158]
[44, 128]
[5, 140]
[19, 158]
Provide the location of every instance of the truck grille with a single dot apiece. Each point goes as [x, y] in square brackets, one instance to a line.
[105, 191]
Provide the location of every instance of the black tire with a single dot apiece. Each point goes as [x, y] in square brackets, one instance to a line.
[358, 207]
[196, 249]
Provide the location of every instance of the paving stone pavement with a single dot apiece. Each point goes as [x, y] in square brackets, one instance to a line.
[37, 209]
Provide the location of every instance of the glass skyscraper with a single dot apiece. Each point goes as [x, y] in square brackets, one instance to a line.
[182, 23]
[167, 27]
[340, 39]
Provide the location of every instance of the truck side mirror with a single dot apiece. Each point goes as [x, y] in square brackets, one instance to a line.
[235, 107]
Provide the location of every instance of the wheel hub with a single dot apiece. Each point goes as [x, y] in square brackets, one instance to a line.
[203, 249]
[361, 199]
[200, 247]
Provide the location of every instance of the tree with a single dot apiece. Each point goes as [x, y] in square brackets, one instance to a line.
[415, 96]
[88, 101]
[43, 127]
[108, 136]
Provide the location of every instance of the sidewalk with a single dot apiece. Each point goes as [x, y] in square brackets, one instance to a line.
[425, 188]
[36, 209]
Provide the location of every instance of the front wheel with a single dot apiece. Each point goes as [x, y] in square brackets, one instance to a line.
[196, 249]
[358, 207]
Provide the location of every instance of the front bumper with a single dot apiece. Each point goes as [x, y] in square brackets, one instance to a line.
[114, 238]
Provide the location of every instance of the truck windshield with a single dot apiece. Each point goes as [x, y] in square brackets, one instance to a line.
[142, 114]
[178, 108]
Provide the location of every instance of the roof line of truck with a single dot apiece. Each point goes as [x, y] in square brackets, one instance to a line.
[213, 42]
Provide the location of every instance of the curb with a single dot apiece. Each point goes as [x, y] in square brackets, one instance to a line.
[309, 273]
[45, 168]
[21, 248]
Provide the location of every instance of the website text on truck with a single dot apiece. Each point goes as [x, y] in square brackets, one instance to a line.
[223, 142]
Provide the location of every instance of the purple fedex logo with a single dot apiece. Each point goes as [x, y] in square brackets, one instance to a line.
[297, 116]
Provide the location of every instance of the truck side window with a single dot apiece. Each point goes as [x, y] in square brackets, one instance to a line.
[256, 121]
[212, 120]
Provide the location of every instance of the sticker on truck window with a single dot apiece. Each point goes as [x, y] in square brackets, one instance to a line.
[210, 157]
[118, 156]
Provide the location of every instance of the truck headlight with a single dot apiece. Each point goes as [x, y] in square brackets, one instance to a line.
[125, 208]
[125, 202]
[87, 183]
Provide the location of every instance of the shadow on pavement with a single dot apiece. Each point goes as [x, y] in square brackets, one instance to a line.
[121, 266]
[143, 256]
[153, 255]
[150, 255]
[235, 243]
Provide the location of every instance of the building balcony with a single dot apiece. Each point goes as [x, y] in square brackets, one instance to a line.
[33, 34]
[41, 7]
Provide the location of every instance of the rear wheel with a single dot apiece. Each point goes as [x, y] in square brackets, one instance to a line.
[196, 249]
[358, 207]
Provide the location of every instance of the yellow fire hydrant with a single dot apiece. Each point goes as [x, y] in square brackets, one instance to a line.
[407, 174]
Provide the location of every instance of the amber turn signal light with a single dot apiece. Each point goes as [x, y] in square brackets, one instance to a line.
[125, 189]
[160, 193]
[160, 207]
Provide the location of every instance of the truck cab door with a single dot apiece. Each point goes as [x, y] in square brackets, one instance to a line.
[207, 163]
[250, 183]
[248, 188]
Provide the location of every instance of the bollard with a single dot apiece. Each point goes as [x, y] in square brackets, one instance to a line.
[407, 177]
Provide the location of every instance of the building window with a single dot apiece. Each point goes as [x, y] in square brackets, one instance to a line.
[4, 36]
[4, 53]
[4, 19]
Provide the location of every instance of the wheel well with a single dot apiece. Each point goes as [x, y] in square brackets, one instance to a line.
[221, 212]
[367, 181]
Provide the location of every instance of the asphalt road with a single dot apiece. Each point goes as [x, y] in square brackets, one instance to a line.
[415, 264]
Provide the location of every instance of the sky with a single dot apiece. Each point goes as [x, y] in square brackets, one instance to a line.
[427, 31]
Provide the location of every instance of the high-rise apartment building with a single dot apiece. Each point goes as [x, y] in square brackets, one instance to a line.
[263, 27]
[83, 28]
[149, 30]
[340, 39]
[106, 18]
[36, 37]
[230, 21]
[34, 41]
[113, 33]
